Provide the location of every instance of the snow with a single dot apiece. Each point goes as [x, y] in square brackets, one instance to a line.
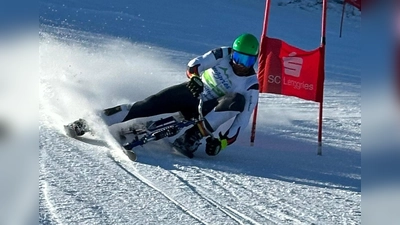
[96, 54]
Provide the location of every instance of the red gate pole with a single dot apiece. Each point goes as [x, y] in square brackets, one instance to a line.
[323, 44]
[264, 34]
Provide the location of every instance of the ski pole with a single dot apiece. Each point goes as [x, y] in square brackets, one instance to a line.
[200, 108]
[201, 117]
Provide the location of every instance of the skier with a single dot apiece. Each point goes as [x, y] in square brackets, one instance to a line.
[228, 83]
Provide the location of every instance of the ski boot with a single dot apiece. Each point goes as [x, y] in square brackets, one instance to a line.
[77, 128]
[188, 142]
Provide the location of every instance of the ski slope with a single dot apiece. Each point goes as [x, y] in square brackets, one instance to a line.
[96, 54]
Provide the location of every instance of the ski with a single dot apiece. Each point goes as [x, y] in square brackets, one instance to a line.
[142, 133]
[131, 154]
[71, 132]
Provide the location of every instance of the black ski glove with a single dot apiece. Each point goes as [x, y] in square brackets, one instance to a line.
[195, 85]
[215, 145]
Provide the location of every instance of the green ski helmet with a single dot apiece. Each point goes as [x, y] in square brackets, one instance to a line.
[247, 44]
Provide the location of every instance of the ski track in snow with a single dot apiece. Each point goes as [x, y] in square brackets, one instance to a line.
[74, 197]
[188, 194]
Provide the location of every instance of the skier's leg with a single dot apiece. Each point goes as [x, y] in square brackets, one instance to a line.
[173, 99]
[115, 114]
[110, 116]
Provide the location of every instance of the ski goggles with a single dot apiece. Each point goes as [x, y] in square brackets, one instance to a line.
[243, 59]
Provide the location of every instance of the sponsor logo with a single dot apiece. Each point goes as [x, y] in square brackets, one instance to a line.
[292, 65]
[211, 81]
[218, 80]
[222, 78]
[290, 82]
[292, 68]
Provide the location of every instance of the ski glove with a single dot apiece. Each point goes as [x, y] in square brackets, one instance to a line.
[215, 145]
[195, 85]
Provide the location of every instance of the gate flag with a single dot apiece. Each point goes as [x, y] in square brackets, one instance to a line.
[355, 3]
[287, 70]
[290, 71]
